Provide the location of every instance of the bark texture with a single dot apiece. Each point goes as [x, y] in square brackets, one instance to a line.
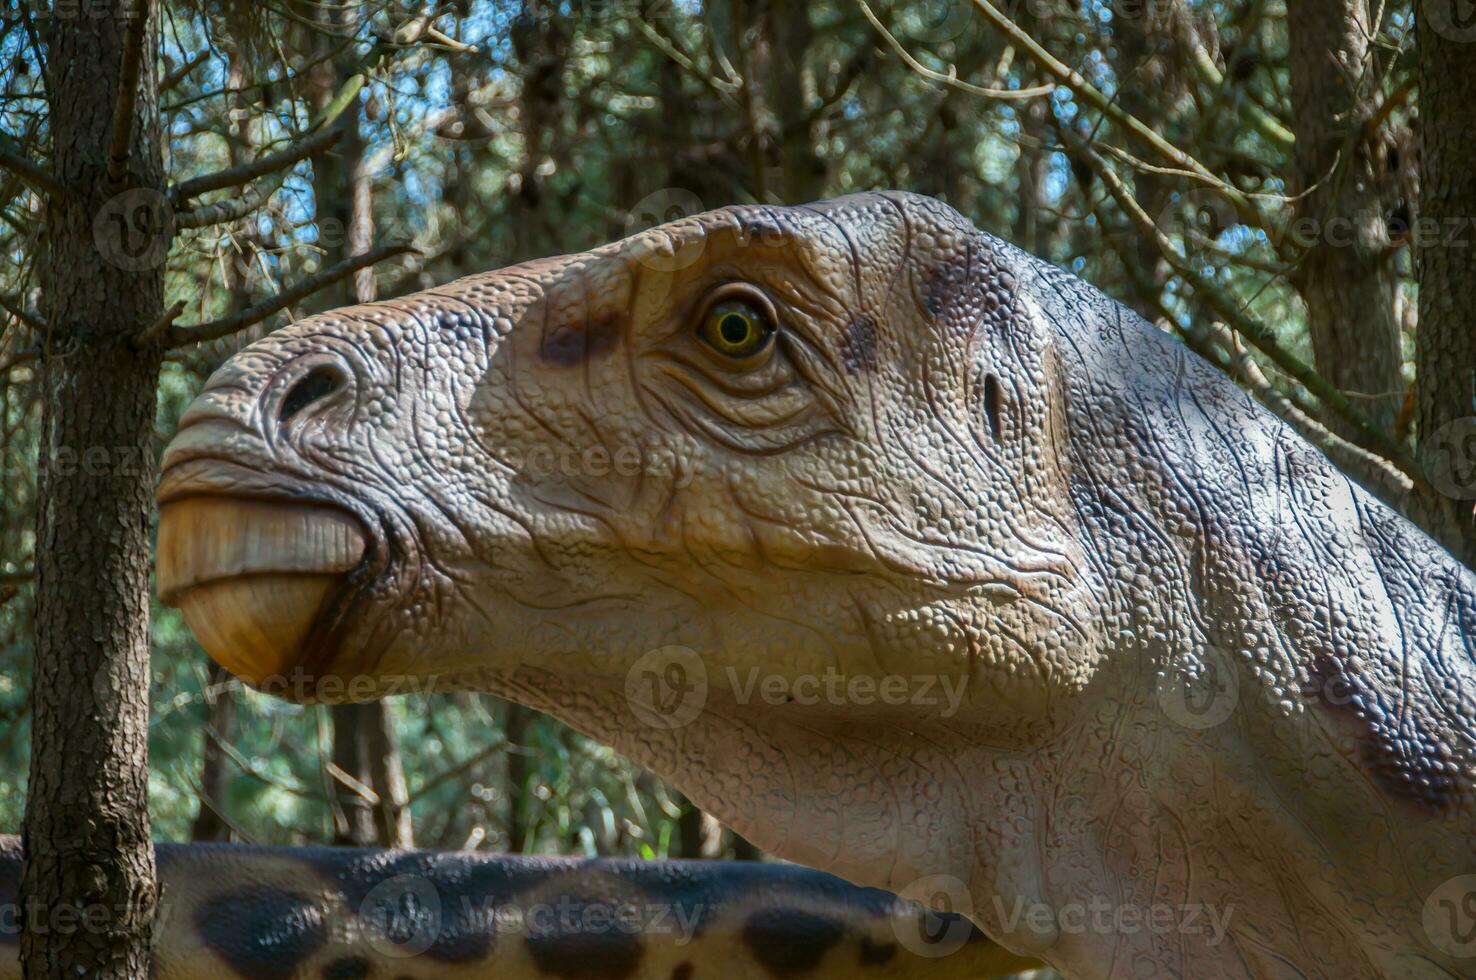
[1343, 277]
[88, 886]
[1446, 337]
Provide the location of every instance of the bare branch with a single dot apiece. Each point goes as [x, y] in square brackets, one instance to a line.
[127, 98]
[1370, 469]
[1094, 97]
[161, 324]
[31, 172]
[16, 310]
[1264, 122]
[1256, 334]
[260, 167]
[17, 359]
[178, 336]
[1218, 345]
[950, 79]
[231, 209]
[183, 70]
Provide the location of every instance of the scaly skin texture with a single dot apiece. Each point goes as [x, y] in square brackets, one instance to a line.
[956, 466]
[329, 913]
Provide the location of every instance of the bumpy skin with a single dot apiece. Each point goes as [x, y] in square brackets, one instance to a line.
[956, 463]
[325, 913]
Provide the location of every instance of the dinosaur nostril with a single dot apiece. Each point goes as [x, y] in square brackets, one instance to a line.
[322, 381]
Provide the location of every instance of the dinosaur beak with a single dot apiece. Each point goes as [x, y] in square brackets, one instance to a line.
[252, 578]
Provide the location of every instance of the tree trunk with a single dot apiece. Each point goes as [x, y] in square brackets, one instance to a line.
[515, 728]
[803, 172]
[88, 886]
[1446, 338]
[1347, 285]
[215, 778]
[699, 835]
[365, 746]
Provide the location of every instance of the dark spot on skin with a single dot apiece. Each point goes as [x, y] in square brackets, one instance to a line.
[946, 283]
[575, 954]
[469, 891]
[875, 953]
[348, 968]
[858, 345]
[790, 941]
[683, 971]
[1406, 762]
[568, 344]
[262, 933]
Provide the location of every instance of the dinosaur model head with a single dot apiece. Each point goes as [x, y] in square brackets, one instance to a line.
[897, 549]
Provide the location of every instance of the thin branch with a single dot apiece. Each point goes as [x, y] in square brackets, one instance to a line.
[1386, 108]
[161, 324]
[231, 209]
[1094, 97]
[256, 772]
[353, 784]
[183, 70]
[260, 167]
[950, 79]
[31, 172]
[127, 98]
[1264, 122]
[1372, 470]
[1218, 345]
[1257, 335]
[722, 88]
[28, 319]
[440, 778]
[178, 336]
[18, 358]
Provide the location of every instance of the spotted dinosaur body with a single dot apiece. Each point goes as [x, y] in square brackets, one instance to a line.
[324, 913]
[911, 557]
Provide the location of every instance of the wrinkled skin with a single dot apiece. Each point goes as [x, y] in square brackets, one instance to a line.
[954, 462]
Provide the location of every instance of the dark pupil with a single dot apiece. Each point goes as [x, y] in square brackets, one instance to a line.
[734, 328]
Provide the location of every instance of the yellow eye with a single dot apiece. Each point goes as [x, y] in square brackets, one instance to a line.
[736, 329]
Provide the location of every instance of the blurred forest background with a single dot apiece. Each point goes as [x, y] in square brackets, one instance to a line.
[1245, 173]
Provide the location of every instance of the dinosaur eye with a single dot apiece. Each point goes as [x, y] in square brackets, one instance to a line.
[736, 328]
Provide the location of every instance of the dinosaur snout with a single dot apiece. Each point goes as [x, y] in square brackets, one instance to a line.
[251, 548]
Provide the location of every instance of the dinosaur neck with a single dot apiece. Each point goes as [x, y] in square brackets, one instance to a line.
[1286, 721]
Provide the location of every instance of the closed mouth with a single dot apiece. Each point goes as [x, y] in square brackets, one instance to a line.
[258, 574]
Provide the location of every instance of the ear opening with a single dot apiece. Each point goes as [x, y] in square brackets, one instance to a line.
[992, 403]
